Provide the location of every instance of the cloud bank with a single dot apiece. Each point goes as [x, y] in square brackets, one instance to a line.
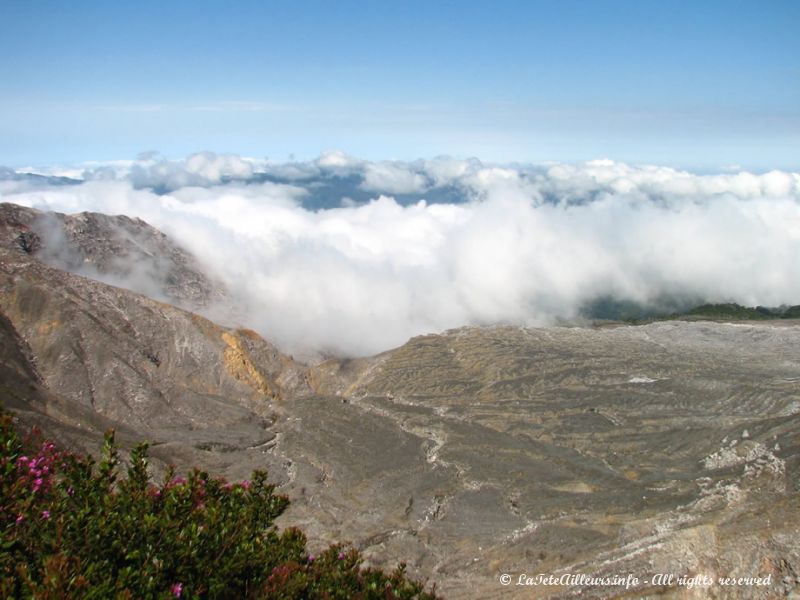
[353, 257]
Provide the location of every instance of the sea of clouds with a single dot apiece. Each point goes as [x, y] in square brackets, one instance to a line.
[352, 257]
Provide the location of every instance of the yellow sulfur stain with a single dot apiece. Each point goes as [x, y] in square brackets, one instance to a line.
[238, 363]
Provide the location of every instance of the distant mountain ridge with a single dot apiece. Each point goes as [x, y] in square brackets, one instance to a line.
[611, 309]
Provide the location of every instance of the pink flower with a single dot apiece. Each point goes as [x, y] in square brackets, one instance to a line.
[311, 558]
[45, 514]
[176, 589]
[341, 555]
[246, 484]
[20, 518]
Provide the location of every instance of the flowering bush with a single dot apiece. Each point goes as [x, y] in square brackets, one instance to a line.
[73, 528]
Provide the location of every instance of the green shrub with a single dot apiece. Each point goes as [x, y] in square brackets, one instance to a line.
[732, 311]
[73, 528]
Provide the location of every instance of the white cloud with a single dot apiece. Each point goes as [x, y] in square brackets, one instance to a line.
[393, 178]
[200, 169]
[665, 182]
[336, 159]
[531, 244]
[445, 170]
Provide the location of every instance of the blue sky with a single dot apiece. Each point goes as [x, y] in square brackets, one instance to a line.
[692, 84]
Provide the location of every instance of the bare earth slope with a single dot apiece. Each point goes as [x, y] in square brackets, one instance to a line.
[671, 447]
[668, 448]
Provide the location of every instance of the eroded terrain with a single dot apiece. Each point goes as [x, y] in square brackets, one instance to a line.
[613, 450]
[665, 448]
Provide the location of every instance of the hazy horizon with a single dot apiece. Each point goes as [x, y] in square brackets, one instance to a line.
[699, 86]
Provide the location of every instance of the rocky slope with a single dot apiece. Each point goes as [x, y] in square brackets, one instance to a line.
[143, 366]
[114, 249]
[672, 447]
[667, 448]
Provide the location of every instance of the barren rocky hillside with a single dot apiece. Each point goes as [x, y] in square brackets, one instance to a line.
[672, 447]
[114, 249]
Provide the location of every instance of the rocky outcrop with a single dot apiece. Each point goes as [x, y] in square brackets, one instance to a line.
[115, 249]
